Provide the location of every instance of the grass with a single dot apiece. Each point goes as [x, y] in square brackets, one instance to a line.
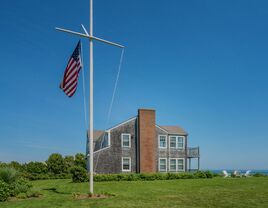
[217, 192]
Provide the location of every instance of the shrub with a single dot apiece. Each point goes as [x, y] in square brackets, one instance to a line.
[68, 163]
[200, 174]
[22, 185]
[209, 174]
[80, 160]
[171, 176]
[259, 175]
[186, 176]
[36, 168]
[4, 191]
[8, 175]
[55, 163]
[79, 174]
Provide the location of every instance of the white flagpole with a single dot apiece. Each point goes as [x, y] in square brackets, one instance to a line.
[91, 98]
[91, 38]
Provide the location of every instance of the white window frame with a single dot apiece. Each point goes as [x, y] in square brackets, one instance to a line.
[162, 158]
[177, 146]
[176, 169]
[124, 170]
[124, 134]
[183, 162]
[160, 143]
[170, 163]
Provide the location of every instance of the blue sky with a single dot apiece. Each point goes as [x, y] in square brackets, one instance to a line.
[200, 64]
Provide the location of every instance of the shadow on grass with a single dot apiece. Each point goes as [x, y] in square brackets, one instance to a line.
[54, 190]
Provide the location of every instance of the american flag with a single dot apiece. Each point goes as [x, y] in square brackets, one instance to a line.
[70, 79]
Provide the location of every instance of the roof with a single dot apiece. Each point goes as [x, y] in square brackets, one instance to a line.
[174, 130]
[97, 134]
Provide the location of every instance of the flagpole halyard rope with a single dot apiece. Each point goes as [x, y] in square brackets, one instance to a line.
[84, 89]
[111, 103]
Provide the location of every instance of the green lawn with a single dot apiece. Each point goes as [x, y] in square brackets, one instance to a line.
[217, 192]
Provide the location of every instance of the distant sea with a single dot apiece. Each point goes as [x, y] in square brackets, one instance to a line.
[265, 172]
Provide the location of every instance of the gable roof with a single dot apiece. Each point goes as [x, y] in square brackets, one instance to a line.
[174, 130]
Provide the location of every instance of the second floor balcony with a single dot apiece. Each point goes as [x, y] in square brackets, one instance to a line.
[193, 152]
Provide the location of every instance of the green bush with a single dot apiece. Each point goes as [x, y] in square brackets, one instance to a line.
[8, 175]
[55, 164]
[200, 174]
[80, 160]
[79, 174]
[4, 191]
[186, 176]
[36, 168]
[259, 175]
[22, 185]
[151, 176]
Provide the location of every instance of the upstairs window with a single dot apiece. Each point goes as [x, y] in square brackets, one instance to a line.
[126, 140]
[176, 142]
[172, 142]
[162, 139]
[126, 164]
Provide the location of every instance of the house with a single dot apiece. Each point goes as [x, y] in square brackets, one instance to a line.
[140, 145]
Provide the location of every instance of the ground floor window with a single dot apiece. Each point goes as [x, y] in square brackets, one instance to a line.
[163, 164]
[126, 164]
[176, 164]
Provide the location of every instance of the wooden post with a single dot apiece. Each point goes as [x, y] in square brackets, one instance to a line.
[189, 164]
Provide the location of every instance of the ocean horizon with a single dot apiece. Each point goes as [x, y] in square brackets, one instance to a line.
[242, 171]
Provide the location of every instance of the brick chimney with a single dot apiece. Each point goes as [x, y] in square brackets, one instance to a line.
[146, 141]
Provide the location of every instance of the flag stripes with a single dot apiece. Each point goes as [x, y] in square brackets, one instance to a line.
[71, 73]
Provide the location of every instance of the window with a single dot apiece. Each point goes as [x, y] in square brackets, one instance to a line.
[163, 164]
[172, 165]
[105, 140]
[180, 164]
[172, 142]
[126, 164]
[176, 142]
[162, 139]
[176, 164]
[125, 140]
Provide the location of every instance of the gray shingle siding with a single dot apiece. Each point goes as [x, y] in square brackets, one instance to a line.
[110, 160]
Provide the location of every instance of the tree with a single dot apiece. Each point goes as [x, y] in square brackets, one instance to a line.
[68, 162]
[36, 168]
[55, 163]
[80, 160]
[16, 165]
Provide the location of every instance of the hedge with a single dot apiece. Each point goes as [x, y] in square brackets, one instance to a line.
[151, 176]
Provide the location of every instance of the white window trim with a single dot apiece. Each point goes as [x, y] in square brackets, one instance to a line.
[177, 170]
[183, 137]
[123, 134]
[162, 158]
[183, 159]
[159, 141]
[109, 138]
[124, 170]
[170, 163]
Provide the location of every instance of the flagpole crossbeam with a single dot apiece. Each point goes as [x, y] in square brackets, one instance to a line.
[86, 35]
[72, 32]
[106, 41]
